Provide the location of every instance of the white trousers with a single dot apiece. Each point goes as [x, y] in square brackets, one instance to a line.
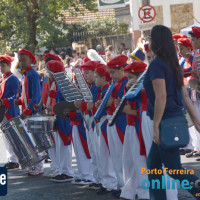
[109, 179]
[191, 139]
[54, 162]
[132, 164]
[93, 146]
[83, 163]
[116, 149]
[147, 131]
[10, 153]
[64, 156]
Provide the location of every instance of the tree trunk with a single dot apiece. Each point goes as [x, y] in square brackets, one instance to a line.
[32, 16]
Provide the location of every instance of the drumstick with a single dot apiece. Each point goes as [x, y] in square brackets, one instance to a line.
[18, 89]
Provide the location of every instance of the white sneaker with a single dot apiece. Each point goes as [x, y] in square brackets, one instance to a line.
[35, 172]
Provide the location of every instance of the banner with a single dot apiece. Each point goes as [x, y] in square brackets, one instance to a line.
[104, 4]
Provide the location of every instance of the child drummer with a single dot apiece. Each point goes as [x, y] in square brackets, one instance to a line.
[8, 93]
[30, 95]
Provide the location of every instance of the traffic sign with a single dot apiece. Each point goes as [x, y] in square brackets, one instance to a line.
[147, 13]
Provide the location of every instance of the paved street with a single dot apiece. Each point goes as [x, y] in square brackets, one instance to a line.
[23, 187]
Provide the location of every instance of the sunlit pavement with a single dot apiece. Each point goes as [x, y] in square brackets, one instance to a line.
[23, 187]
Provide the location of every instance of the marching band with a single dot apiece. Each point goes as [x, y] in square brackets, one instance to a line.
[101, 111]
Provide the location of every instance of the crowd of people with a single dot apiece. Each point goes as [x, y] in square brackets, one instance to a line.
[110, 158]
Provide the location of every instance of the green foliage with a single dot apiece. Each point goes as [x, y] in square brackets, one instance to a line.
[37, 23]
[25, 22]
[80, 31]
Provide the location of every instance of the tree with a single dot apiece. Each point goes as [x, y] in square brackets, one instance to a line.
[25, 23]
[79, 31]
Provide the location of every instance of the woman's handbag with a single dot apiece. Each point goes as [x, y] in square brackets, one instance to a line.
[174, 132]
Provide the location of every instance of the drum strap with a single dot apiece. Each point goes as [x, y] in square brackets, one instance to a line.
[49, 98]
[24, 94]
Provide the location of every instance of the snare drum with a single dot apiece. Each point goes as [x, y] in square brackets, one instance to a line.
[21, 142]
[42, 128]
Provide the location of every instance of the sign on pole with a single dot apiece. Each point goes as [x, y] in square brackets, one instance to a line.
[147, 26]
[105, 4]
[147, 13]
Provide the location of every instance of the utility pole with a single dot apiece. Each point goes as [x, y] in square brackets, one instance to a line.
[146, 32]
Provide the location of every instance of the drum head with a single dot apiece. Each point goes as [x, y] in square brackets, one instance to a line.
[195, 84]
[2, 112]
[63, 108]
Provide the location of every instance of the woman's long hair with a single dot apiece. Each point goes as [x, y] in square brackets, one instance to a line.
[162, 45]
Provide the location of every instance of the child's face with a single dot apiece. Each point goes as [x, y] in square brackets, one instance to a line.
[4, 67]
[184, 50]
[116, 74]
[195, 42]
[132, 77]
[89, 76]
[99, 80]
[24, 61]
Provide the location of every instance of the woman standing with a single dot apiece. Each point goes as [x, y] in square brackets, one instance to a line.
[164, 86]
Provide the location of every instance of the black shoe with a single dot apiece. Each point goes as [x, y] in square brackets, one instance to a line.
[85, 182]
[184, 151]
[114, 192]
[117, 195]
[11, 166]
[62, 178]
[95, 185]
[197, 159]
[191, 154]
[102, 190]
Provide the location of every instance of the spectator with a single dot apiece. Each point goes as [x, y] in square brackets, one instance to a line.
[53, 51]
[68, 65]
[62, 55]
[69, 52]
[83, 54]
[46, 52]
[122, 48]
[99, 50]
[74, 55]
[108, 56]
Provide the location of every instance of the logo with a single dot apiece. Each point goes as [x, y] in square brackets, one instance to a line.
[164, 182]
[3, 181]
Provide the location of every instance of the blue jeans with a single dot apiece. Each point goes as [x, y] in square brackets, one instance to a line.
[171, 160]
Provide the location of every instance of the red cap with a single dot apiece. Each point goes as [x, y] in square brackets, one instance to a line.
[179, 35]
[91, 65]
[6, 59]
[49, 55]
[24, 51]
[102, 71]
[195, 31]
[55, 66]
[118, 61]
[86, 59]
[137, 66]
[186, 42]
